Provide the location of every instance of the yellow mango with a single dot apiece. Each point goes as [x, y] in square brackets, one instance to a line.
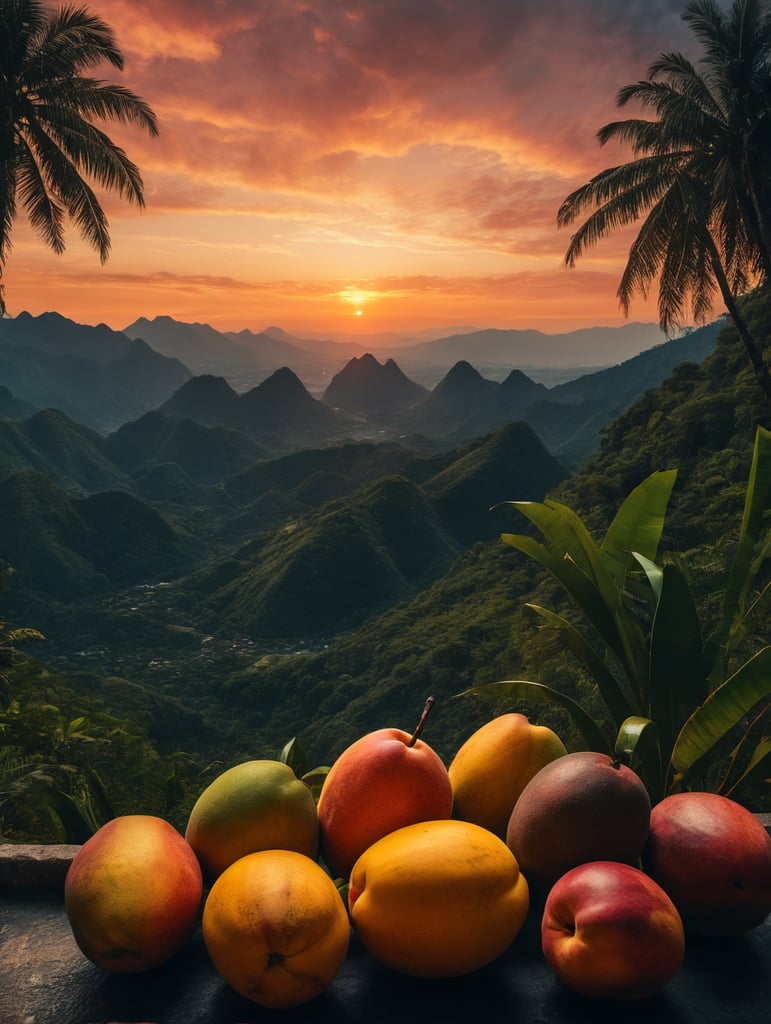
[494, 765]
[437, 899]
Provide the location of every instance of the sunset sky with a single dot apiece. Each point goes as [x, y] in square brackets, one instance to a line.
[360, 166]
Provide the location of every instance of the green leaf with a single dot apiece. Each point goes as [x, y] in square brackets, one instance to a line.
[293, 754]
[653, 573]
[76, 823]
[745, 564]
[637, 745]
[677, 682]
[638, 524]
[758, 771]
[616, 701]
[720, 713]
[578, 585]
[569, 538]
[522, 689]
[314, 780]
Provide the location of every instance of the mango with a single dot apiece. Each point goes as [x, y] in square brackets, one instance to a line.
[276, 928]
[713, 857]
[493, 766]
[253, 806]
[133, 893]
[582, 807]
[437, 899]
[383, 781]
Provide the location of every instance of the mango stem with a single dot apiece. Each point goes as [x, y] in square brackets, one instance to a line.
[421, 723]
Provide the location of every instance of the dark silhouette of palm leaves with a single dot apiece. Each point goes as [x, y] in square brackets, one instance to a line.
[700, 177]
[50, 145]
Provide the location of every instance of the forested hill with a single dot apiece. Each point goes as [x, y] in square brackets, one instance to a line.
[701, 421]
[230, 697]
[472, 627]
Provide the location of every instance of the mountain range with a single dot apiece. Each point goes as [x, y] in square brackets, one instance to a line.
[79, 520]
[230, 589]
[237, 354]
[97, 376]
[104, 380]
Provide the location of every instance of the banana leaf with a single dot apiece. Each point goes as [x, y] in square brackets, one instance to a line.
[638, 524]
[539, 693]
[757, 772]
[677, 683]
[637, 745]
[707, 728]
[754, 768]
[746, 562]
[566, 534]
[588, 598]
[614, 697]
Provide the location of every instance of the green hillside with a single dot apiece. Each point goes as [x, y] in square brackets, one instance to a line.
[471, 626]
[342, 618]
[512, 462]
[69, 454]
[207, 455]
[330, 570]
[66, 547]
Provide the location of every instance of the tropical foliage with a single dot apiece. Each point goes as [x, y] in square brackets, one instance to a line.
[10, 637]
[49, 141]
[691, 710]
[168, 698]
[700, 177]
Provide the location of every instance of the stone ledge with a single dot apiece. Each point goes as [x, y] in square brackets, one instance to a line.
[32, 868]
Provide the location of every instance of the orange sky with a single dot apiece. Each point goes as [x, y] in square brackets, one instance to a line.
[358, 165]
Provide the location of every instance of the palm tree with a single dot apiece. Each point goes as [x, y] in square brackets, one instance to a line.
[49, 143]
[700, 177]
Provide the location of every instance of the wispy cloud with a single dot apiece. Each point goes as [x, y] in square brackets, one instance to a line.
[371, 136]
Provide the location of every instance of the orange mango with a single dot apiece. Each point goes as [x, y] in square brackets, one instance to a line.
[276, 928]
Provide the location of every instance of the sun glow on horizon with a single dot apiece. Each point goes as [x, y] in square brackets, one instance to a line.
[358, 298]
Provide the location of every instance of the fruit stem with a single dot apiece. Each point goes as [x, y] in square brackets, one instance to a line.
[421, 723]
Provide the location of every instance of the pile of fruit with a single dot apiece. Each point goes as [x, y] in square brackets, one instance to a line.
[435, 868]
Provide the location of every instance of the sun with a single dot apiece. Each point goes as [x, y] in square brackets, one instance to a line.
[358, 298]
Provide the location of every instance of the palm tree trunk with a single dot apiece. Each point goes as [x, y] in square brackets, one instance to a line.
[754, 353]
[760, 220]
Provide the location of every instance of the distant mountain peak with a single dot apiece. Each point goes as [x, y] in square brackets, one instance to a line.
[463, 375]
[367, 387]
[283, 380]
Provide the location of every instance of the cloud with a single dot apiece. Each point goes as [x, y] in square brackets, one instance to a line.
[368, 134]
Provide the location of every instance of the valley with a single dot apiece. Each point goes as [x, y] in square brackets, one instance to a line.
[221, 573]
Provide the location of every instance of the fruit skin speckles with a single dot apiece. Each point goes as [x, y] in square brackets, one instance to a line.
[610, 932]
[713, 857]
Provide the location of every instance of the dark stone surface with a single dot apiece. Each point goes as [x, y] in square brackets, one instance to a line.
[46, 980]
[32, 868]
